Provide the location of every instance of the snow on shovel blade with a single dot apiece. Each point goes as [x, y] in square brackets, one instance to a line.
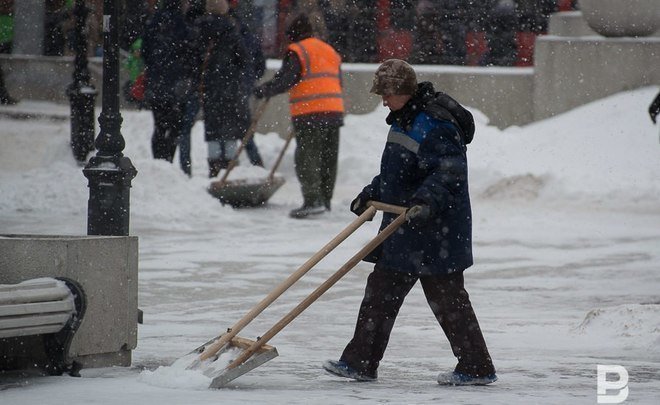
[245, 192]
[216, 367]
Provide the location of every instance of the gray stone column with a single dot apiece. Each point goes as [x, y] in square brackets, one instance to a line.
[29, 16]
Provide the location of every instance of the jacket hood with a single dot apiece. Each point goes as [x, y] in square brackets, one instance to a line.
[443, 107]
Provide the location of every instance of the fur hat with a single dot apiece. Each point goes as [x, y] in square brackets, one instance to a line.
[394, 77]
[299, 28]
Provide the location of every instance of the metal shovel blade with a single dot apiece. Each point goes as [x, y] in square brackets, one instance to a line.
[244, 193]
[216, 368]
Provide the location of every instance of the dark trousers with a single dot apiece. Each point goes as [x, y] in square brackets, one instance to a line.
[253, 153]
[315, 158]
[450, 303]
[191, 108]
[167, 129]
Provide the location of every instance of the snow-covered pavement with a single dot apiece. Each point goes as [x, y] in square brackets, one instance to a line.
[567, 272]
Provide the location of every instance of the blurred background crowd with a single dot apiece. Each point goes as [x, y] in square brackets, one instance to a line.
[455, 32]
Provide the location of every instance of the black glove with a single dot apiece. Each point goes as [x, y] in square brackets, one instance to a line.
[654, 108]
[259, 92]
[359, 205]
[417, 214]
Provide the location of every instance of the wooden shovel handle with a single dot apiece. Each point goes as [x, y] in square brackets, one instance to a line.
[246, 138]
[393, 209]
[384, 234]
[213, 348]
[281, 155]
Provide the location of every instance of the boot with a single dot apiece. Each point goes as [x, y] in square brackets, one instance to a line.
[215, 165]
[307, 210]
[8, 100]
[259, 162]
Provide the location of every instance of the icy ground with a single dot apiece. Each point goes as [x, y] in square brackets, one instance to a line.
[567, 273]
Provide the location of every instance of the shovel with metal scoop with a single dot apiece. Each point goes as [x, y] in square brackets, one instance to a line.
[228, 356]
[249, 192]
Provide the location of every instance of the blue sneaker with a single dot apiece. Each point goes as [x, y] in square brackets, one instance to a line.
[342, 369]
[456, 378]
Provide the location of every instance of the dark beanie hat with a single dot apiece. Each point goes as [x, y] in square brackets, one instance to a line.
[300, 28]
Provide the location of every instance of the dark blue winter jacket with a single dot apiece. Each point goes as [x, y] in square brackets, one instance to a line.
[424, 162]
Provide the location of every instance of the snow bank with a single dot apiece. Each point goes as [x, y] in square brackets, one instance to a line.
[605, 152]
[632, 324]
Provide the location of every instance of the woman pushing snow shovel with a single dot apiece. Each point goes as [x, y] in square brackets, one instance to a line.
[424, 167]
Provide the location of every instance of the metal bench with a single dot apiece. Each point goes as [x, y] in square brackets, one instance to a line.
[38, 319]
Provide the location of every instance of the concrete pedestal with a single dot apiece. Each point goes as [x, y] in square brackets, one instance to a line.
[569, 24]
[55, 74]
[106, 269]
[572, 71]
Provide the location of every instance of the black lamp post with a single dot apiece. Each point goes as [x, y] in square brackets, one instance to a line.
[109, 172]
[81, 93]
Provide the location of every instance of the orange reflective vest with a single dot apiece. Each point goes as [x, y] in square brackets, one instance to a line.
[319, 89]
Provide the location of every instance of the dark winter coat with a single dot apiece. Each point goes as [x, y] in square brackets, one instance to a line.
[255, 66]
[424, 162]
[164, 50]
[195, 47]
[226, 108]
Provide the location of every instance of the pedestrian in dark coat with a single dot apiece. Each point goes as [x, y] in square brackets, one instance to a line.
[534, 15]
[501, 30]
[226, 106]
[441, 32]
[424, 167]
[254, 69]
[163, 50]
[192, 66]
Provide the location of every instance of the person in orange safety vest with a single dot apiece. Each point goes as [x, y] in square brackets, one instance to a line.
[311, 73]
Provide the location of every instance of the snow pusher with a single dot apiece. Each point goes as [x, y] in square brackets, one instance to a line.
[249, 192]
[228, 356]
